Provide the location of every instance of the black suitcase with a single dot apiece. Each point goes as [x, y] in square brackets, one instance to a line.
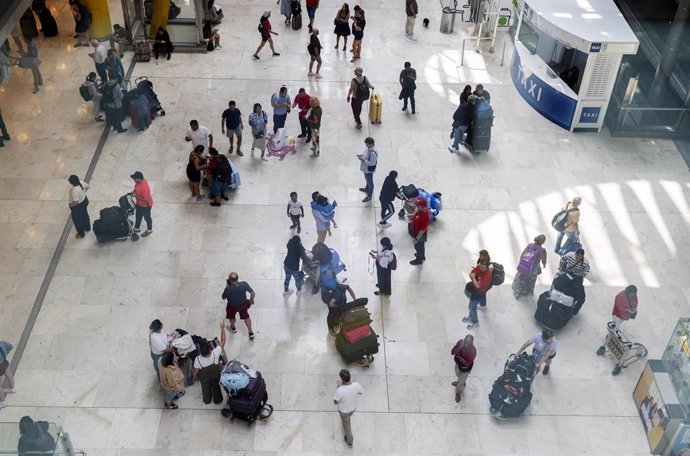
[542, 306]
[296, 21]
[557, 316]
[353, 352]
[112, 215]
[108, 232]
[48, 25]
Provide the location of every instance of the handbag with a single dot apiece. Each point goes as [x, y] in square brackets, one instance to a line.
[469, 289]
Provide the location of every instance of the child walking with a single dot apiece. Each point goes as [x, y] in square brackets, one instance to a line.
[295, 210]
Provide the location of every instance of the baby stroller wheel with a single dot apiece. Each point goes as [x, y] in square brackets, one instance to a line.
[601, 350]
[616, 370]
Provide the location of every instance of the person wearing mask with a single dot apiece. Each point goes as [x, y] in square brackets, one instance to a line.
[171, 378]
[291, 264]
[386, 262]
[359, 87]
[162, 43]
[481, 93]
[112, 97]
[389, 193]
[462, 119]
[544, 349]
[113, 64]
[158, 344]
[418, 228]
[144, 202]
[78, 204]
[314, 121]
[302, 102]
[266, 32]
[367, 165]
[281, 107]
[464, 353]
[207, 369]
[314, 49]
[407, 79]
[91, 83]
[480, 280]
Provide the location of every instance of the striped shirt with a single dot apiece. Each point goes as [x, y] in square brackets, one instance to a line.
[569, 263]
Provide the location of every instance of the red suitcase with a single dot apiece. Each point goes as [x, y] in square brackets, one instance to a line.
[356, 334]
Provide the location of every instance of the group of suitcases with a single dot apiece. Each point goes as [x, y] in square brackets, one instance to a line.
[356, 340]
[114, 222]
[249, 403]
[510, 395]
[142, 103]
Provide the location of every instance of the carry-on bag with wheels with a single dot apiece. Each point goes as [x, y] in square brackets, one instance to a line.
[353, 352]
[354, 318]
[356, 334]
[375, 108]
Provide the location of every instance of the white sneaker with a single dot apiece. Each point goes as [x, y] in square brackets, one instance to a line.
[264, 158]
[453, 150]
[9, 390]
[466, 319]
[473, 325]
[318, 76]
[302, 291]
[310, 74]
[412, 37]
[287, 293]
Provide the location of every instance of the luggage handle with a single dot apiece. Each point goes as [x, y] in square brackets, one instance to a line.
[141, 78]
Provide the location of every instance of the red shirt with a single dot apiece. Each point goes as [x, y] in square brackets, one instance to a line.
[142, 193]
[483, 277]
[621, 306]
[466, 353]
[312, 3]
[266, 24]
[420, 221]
[302, 101]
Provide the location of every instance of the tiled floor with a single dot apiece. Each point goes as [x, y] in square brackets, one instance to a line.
[87, 359]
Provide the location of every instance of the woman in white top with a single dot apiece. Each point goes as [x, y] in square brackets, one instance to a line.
[385, 263]
[158, 341]
[207, 368]
[78, 203]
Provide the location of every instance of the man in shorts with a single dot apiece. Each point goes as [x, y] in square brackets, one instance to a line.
[236, 294]
[231, 125]
[544, 349]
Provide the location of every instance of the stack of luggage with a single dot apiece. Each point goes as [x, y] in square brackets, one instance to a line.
[247, 395]
[510, 395]
[139, 110]
[145, 88]
[356, 340]
[409, 193]
[114, 222]
[554, 309]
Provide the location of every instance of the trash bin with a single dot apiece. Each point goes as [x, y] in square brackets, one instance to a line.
[447, 20]
[479, 134]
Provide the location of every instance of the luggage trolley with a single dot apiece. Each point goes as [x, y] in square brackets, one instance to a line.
[623, 350]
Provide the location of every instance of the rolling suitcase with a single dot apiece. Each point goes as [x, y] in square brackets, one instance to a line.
[353, 352]
[249, 401]
[354, 318]
[109, 232]
[142, 51]
[112, 215]
[296, 21]
[140, 113]
[557, 316]
[375, 107]
[356, 334]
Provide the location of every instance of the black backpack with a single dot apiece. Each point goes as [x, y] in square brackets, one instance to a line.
[85, 92]
[108, 93]
[559, 222]
[363, 89]
[224, 171]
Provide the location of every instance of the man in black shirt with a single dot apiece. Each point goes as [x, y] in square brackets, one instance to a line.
[236, 294]
[461, 121]
[232, 119]
[314, 49]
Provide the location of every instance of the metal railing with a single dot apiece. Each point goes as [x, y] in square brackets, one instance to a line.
[478, 39]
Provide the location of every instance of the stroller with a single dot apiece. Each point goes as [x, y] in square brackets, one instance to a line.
[247, 396]
[145, 88]
[114, 222]
[279, 145]
[408, 193]
[510, 395]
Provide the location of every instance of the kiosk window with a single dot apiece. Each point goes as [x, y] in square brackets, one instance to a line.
[528, 37]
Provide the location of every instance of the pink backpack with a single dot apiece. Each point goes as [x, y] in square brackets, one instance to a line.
[529, 260]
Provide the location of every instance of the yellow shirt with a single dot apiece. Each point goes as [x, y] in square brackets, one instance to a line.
[573, 219]
[171, 378]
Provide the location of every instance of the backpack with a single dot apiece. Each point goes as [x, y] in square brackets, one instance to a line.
[108, 94]
[498, 275]
[224, 172]
[85, 92]
[528, 260]
[210, 46]
[394, 263]
[559, 222]
[363, 89]
[261, 28]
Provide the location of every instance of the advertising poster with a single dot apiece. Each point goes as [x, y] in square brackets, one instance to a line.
[651, 407]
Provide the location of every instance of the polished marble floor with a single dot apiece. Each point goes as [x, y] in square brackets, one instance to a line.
[87, 358]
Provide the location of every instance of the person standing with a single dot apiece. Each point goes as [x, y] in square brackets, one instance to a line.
[466, 92]
[342, 25]
[27, 24]
[5, 349]
[323, 222]
[358, 24]
[114, 65]
[199, 135]
[195, 166]
[144, 202]
[236, 294]
[78, 204]
[462, 119]
[295, 210]
[3, 128]
[158, 343]
[418, 228]
[407, 79]
[258, 120]
[314, 122]
[99, 55]
[232, 121]
[411, 9]
[625, 306]
[82, 21]
[112, 102]
[544, 349]
[345, 398]
[266, 32]
[291, 264]
[163, 43]
[207, 368]
[281, 107]
[220, 170]
[481, 93]
[572, 224]
[358, 93]
[386, 262]
[95, 96]
[367, 164]
[480, 278]
[171, 378]
[312, 6]
[32, 51]
[464, 353]
[528, 268]
[389, 192]
[314, 49]
[285, 9]
[302, 102]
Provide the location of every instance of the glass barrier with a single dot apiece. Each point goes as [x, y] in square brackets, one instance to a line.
[9, 441]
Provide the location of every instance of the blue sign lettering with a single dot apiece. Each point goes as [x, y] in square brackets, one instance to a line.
[589, 115]
[547, 101]
[595, 47]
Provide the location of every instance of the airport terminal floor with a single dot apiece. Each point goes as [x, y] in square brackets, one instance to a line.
[87, 360]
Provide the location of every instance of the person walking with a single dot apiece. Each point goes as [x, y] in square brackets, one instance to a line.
[544, 349]
[528, 268]
[342, 25]
[314, 121]
[199, 135]
[82, 21]
[386, 262]
[418, 228]
[464, 353]
[171, 378]
[462, 119]
[158, 343]
[335, 299]
[314, 49]
[625, 306]
[367, 164]
[407, 79]
[236, 294]
[572, 225]
[258, 120]
[195, 166]
[345, 398]
[78, 204]
[231, 124]
[162, 43]
[285, 9]
[281, 107]
[207, 368]
[312, 6]
[144, 203]
[32, 51]
[358, 24]
[291, 265]
[389, 192]
[480, 282]
[411, 9]
[99, 55]
[301, 101]
[358, 93]
[114, 65]
[111, 100]
[7, 387]
[266, 32]
[95, 96]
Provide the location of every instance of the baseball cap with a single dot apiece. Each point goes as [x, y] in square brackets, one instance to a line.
[137, 175]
